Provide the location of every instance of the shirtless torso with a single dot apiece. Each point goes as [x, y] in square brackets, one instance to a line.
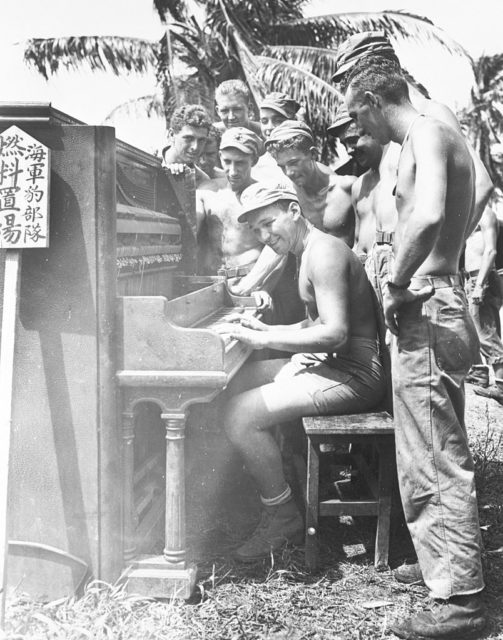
[324, 196]
[231, 244]
[324, 254]
[435, 182]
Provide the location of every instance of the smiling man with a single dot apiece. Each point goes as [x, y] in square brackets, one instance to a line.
[233, 106]
[188, 131]
[324, 197]
[425, 306]
[335, 369]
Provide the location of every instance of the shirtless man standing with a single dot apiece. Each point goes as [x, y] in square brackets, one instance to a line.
[335, 369]
[376, 43]
[324, 197]
[375, 208]
[234, 250]
[275, 108]
[483, 289]
[425, 306]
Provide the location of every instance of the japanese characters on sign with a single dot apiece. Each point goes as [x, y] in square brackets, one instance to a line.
[24, 191]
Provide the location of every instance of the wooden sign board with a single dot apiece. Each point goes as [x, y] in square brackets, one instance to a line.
[24, 191]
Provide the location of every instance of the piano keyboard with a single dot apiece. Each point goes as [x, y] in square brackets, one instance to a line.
[221, 317]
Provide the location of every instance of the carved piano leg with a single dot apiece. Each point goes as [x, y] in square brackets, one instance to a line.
[174, 550]
[169, 575]
[128, 517]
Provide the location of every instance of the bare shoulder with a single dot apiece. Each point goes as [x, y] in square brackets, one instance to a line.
[342, 182]
[212, 185]
[431, 133]
[441, 112]
[328, 251]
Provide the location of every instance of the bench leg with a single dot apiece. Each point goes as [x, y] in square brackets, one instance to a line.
[386, 473]
[312, 505]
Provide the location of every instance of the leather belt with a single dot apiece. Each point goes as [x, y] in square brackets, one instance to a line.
[384, 237]
[437, 282]
[235, 272]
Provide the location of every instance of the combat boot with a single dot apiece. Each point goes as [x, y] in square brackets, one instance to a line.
[278, 525]
[409, 574]
[495, 391]
[456, 618]
[479, 375]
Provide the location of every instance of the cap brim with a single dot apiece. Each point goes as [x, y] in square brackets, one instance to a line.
[274, 107]
[343, 69]
[338, 128]
[265, 203]
[240, 147]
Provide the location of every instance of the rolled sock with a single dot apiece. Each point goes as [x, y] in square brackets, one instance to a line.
[281, 499]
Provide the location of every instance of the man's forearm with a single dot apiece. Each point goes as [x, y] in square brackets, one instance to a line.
[417, 241]
[486, 265]
[313, 339]
[265, 272]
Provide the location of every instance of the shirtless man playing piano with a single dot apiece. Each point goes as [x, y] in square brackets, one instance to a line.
[335, 367]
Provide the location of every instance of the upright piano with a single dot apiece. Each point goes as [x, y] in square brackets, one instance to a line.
[112, 319]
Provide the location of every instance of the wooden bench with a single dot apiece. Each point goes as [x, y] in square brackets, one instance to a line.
[374, 429]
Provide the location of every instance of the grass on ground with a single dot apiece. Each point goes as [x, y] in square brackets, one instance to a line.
[276, 598]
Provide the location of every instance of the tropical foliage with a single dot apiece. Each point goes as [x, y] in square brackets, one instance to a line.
[484, 119]
[270, 44]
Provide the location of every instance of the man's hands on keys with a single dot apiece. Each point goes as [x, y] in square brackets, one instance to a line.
[393, 299]
[245, 328]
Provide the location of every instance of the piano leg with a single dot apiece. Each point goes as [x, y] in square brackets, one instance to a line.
[174, 550]
[168, 575]
[129, 549]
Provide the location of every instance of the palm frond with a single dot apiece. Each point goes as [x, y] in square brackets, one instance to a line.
[484, 118]
[319, 99]
[322, 62]
[317, 60]
[137, 107]
[332, 29]
[99, 53]
[175, 8]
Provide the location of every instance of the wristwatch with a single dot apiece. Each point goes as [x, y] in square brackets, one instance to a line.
[397, 287]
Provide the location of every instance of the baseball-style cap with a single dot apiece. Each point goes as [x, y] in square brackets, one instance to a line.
[341, 122]
[289, 129]
[261, 194]
[361, 45]
[242, 139]
[282, 103]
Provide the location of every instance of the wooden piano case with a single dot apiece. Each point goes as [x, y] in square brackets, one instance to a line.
[65, 489]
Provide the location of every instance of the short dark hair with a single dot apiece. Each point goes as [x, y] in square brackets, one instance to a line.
[381, 76]
[231, 87]
[300, 143]
[214, 134]
[193, 115]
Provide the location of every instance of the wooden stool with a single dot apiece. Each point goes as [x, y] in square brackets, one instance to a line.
[374, 429]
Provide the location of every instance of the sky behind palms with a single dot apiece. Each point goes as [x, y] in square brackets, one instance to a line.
[90, 97]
